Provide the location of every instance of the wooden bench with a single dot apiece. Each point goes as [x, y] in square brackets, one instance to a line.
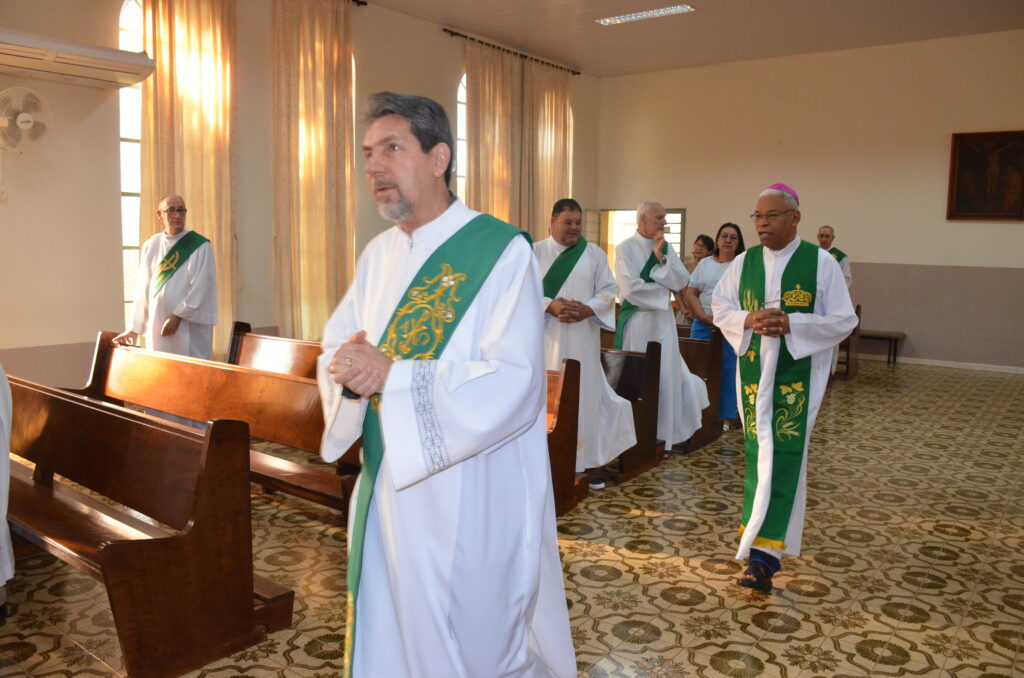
[893, 338]
[636, 376]
[704, 358]
[563, 431]
[296, 357]
[182, 595]
[278, 407]
[299, 357]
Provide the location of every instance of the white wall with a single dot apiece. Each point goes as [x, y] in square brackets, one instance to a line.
[61, 224]
[863, 135]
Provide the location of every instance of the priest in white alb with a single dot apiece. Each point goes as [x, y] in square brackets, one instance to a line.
[783, 306]
[579, 300]
[648, 271]
[175, 303]
[6, 547]
[435, 357]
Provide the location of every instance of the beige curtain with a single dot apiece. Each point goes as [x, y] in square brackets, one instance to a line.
[493, 129]
[187, 138]
[546, 148]
[519, 137]
[313, 212]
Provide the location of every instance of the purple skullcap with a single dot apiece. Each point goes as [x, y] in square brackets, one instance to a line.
[786, 189]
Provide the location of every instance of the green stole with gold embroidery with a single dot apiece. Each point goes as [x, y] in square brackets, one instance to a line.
[425, 319]
[628, 308]
[790, 396]
[837, 253]
[175, 257]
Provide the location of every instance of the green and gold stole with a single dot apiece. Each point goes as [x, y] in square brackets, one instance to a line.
[561, 267]
[175, 258]
[790, 398]
[837, 253]
[628, 308]
[425, 319]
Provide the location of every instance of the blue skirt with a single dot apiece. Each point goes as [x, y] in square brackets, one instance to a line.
[727, 396]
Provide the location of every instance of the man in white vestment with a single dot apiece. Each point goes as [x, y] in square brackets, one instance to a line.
[826, 236]
[453, 563]
[175, 303]
[6, 548]
[783, 306]
[648, 271]
[581, 303]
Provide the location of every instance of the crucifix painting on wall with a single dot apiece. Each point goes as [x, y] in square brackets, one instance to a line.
[985, 176]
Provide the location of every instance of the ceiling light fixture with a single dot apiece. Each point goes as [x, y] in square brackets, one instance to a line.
[648, 14]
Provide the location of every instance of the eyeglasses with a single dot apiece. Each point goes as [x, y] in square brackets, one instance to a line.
[175, 210]
[728, 236]
[771, 216]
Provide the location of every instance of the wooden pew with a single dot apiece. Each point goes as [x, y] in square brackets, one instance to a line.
[181, 596]
[278, 407]
[704, 358]
[563, 431]
[635, 376]
[296, 357]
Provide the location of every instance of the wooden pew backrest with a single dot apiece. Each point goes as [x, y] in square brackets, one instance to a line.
[271, 402]
[297, 357]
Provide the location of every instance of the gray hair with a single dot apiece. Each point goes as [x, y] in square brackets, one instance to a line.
[426, 117]
[833, 231]
[643, 208]
[786, 197]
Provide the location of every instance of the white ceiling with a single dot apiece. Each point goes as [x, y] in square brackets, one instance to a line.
[720, 31]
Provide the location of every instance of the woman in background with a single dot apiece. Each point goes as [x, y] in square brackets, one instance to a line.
[728, 243]
[702, 247]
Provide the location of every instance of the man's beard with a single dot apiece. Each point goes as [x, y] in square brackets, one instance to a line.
[399, 210]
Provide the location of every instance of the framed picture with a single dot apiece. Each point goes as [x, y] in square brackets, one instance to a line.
[985, 171]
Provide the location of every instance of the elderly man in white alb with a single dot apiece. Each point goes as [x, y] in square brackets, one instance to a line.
[579, 300]
[783, 306]
[648, 271]
[453, 566]
[826, 236]
[175, 305]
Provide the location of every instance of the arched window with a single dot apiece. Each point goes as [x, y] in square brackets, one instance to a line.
[461, 146]
[130, 39]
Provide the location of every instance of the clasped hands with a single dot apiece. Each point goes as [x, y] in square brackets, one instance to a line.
[569, 310]
[360, 366]
[769, 322]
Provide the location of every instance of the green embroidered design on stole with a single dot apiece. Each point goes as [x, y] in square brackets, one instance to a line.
[628, 308]
[790, 399]
[561, 267]
[426, 317]
[837, 253]
[175, 258]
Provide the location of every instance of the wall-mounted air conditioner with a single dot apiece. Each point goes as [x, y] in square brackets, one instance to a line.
[37, 56]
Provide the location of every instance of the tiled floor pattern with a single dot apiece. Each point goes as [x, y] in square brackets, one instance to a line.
[911, 562]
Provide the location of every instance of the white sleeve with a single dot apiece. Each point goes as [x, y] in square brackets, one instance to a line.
[728, 315]
[140, 302]
[200, 304]
[833, 316]
[648, 296]
[603, 300]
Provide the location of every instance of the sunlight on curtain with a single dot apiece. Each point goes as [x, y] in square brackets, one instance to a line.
[187, 138]
[519, 137]
[546, 147]
[313, 211]
[493, 97]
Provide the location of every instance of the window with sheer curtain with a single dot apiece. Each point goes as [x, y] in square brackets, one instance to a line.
[130, 121]
[519, 134]
[187, 135]
[313, 210]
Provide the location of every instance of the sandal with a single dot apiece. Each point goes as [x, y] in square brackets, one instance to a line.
[757, 577]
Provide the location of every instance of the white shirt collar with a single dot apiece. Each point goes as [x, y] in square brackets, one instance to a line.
[785, 251]
[440, 229]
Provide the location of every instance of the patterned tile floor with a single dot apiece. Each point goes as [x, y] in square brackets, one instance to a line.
[911, 562]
